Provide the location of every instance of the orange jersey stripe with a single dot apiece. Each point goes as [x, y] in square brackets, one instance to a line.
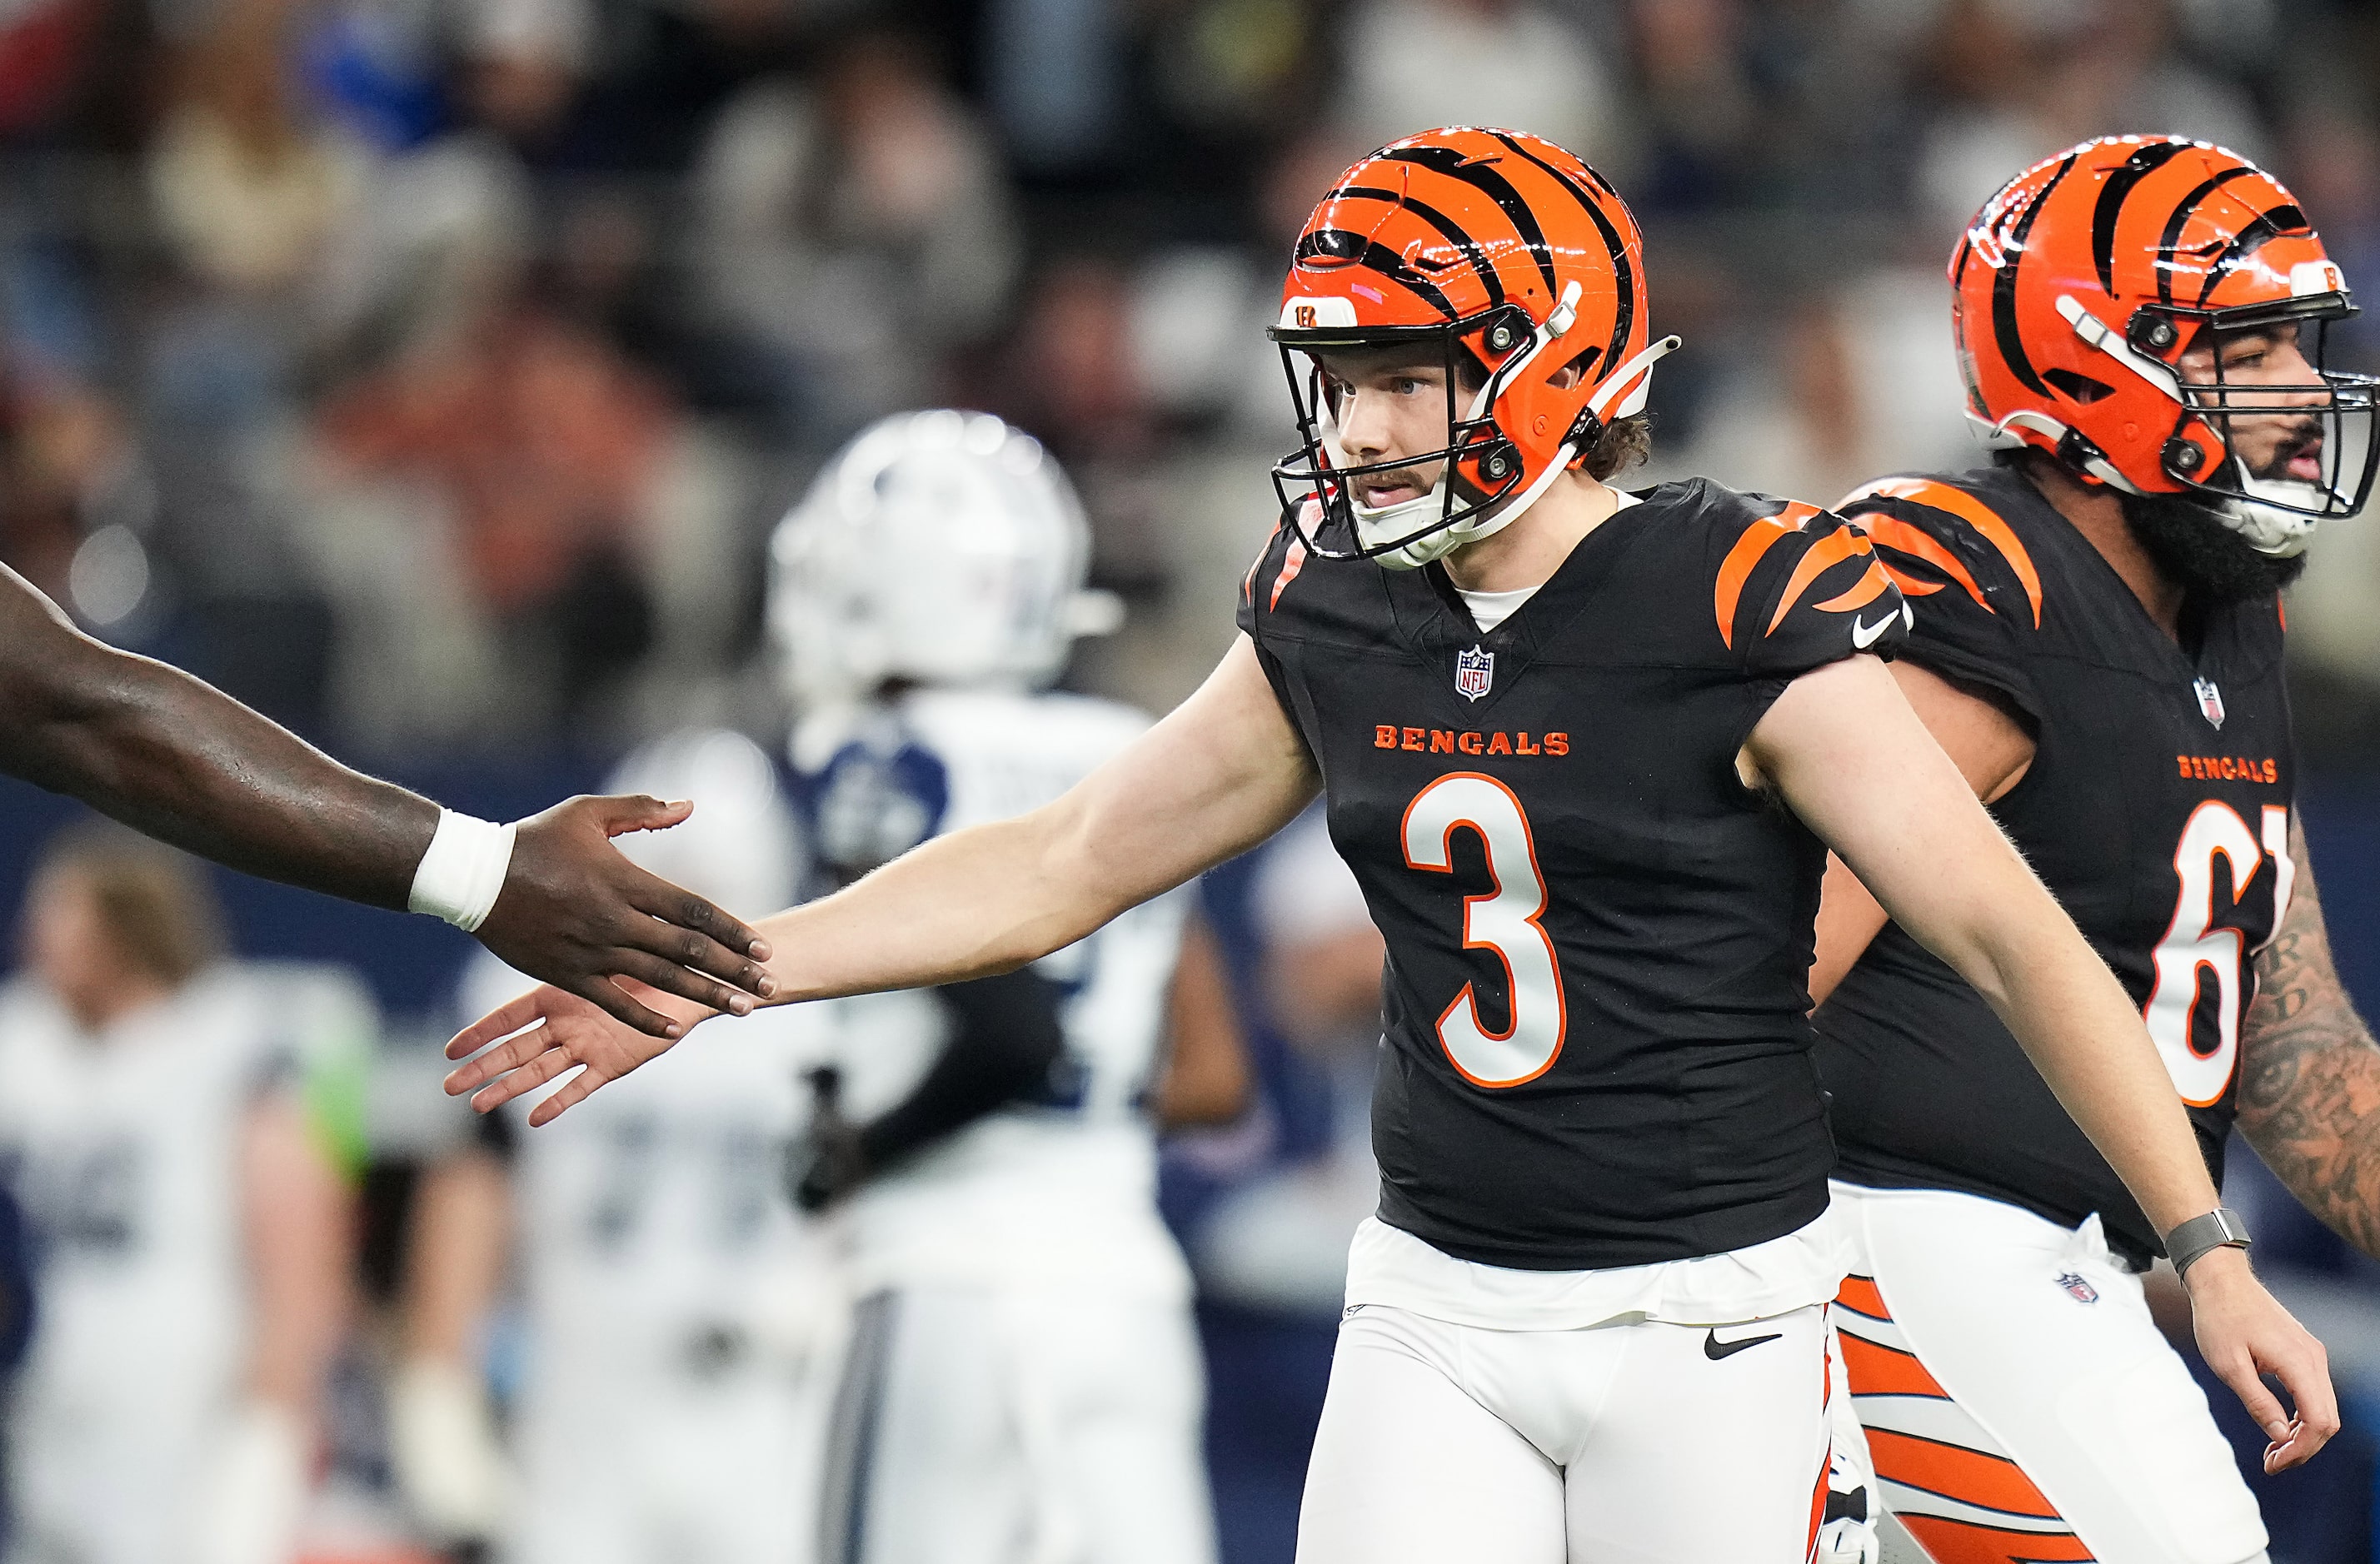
[1823, 555]
[1974, 512]
[1953, 1472]
[1895, 533]
[1864, 592]
[1961, 1542]
[1734, 570]
[1886, 1371]
[1293, 560]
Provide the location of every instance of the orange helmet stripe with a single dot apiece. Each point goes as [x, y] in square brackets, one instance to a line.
[2109, 211]
[1975, 514]
[2170, 244]
[2005, 330]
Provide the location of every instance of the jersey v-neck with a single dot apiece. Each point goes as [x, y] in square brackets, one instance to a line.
[1489, 610]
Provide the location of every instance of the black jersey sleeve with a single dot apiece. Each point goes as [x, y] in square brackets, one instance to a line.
[1974, 596]
[1006, 1037]
[1801, 588]
[1278, 565]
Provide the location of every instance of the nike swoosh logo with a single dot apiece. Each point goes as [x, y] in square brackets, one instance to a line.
[1865, 635]
[1714, 1349]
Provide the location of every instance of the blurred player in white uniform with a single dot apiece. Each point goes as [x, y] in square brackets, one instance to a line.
[1023, 1381]
[178, 1129]
[681, 1319]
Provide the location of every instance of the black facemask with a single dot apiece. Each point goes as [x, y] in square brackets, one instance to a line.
[2214, 563]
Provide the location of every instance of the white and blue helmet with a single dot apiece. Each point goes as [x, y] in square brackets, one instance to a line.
[942, 548]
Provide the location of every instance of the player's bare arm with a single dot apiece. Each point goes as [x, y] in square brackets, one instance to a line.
[2309, 1072]
[1853, 761]
[1991, 750]
[174, 756]
[1222, 773]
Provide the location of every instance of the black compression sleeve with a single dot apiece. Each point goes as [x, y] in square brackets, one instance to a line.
[1005, 1039]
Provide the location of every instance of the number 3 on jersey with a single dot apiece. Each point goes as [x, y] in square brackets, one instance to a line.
[2197, 944]
[1504, 921]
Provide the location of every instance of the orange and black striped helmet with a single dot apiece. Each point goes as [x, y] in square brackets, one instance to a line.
[2082, 283]
[1489, 244]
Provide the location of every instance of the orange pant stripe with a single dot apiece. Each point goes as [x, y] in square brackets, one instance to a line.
[1961, 1542]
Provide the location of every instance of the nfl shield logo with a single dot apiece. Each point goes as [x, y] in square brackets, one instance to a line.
[1474, 671]
[2210, 700]
[2081, 1290]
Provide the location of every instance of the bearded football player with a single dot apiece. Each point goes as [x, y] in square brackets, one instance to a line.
[2097, 646]
[1585, 751]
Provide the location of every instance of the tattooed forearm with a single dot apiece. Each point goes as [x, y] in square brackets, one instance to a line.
[2309, 1073]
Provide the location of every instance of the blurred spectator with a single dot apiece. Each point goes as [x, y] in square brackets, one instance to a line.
[536, 449]
[860, 229]
[1414, 64]
[178, 1130]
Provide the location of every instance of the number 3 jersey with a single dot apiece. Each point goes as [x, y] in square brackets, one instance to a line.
[2155, 807]
[1595, 1049]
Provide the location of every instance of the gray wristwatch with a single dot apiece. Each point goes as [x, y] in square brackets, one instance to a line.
[2220, 1228]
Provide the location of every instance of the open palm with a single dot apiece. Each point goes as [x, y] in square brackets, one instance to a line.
[546, 1034]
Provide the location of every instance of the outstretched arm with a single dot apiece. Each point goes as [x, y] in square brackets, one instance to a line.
[2309, 1073]
[1857, 765]
[175, 758]
[1222, 773]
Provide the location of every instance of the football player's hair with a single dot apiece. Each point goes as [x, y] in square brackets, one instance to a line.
[154, 902]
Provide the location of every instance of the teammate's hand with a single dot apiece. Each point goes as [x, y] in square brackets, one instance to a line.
[564, 1032]
[575, 913]
[2245, 1334]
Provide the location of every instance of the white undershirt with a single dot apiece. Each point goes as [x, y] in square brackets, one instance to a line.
[1491, 608]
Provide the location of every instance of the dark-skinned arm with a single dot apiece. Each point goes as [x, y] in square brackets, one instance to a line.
[2309, 1072]
[171, 756]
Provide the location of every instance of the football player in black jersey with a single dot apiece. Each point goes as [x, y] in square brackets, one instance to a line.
[1585, 752]
[181, 760]
[2098, 644]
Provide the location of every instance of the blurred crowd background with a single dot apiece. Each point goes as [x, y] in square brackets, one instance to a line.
[428, 373]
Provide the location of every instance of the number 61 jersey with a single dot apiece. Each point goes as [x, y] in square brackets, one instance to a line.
[2156, 808]
[1595, 1049]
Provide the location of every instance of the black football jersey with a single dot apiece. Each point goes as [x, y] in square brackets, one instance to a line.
[2156, 809]
[1597, 1051]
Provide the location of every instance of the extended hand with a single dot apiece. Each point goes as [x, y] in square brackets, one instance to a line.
[575, 913]
[2245, 1334]
[565, 1033]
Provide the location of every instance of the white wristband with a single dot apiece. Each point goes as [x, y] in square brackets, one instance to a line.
[463, 872]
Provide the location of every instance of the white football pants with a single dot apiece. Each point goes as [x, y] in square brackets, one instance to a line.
[990, 1426]
[2020, 1403]
[631, 1468]
[1628, 1443]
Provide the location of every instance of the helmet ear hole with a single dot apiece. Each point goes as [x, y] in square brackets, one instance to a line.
[1581, 367]
[2078, 387]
